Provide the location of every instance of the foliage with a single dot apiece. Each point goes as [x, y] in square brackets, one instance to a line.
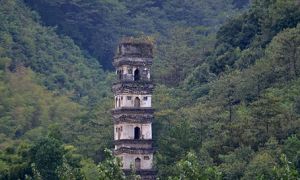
[291, 150]
[234, 164]
[98, 25]
[47, 80]
[260, 166]
[14, 161]
[61, 65]
[253, 30]
[189, 168]
[183, 49]
[47, 156]
[286, 171]
[241, 111]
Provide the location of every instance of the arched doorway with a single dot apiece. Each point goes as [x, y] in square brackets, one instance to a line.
[137, 163]
[137, 133]
[137, 102]
[136, 75]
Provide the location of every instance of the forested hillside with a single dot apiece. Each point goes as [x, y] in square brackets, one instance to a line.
[47, 84]
[227, 93]
[238, 110]
[97, 26]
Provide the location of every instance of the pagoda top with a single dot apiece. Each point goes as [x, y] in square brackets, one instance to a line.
[141, 40]
[135, 47]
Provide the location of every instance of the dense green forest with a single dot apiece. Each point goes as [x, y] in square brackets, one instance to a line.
[227, 97]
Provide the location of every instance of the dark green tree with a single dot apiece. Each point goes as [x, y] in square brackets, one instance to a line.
[47, 156]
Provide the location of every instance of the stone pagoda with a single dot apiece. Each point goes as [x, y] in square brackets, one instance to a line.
[133, 113]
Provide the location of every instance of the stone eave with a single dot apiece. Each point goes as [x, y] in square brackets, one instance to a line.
[132, 110]
[133, 141]
[141, 172]
[133, 60]
[137, 83]
[137, 119]
[132, 55]
[133, 87]
[125, 150]
[133, 41]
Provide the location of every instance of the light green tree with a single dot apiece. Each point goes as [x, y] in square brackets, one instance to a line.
[110, 168]
[261, 167]
[286, 170]
[189, 168]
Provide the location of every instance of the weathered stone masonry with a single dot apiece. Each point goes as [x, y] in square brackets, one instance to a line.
[133, 113]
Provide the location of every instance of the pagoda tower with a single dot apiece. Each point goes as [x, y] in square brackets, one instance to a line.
[133, 112]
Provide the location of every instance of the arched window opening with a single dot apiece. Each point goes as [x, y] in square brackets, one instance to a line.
[137, 102]
[119, 133]
[120, 50]
[137, 163]
[137, 75]
[119, 102]
[137, 133]
[116, 102]
[119, 73]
